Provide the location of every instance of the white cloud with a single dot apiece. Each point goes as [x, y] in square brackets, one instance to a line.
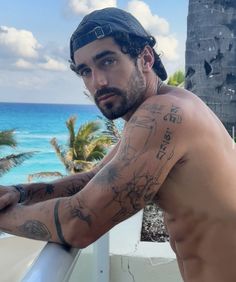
[82, 7]
[54, 65]
[159, 27]
[23, 64]
[152, 23]
[19, 42]
[167, 45]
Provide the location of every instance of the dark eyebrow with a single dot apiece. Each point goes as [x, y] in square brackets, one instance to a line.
[103, 54]
[95, 58]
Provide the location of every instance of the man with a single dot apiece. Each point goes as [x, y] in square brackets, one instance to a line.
[174, 151]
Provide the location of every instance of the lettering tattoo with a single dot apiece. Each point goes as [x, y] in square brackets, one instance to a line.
[153, 108]
[175, 115]
[164, 144]
[35, 229]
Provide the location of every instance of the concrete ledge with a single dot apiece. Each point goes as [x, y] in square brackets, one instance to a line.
[17, 255]
[139, 269]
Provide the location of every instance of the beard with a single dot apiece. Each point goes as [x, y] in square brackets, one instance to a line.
[124, 100]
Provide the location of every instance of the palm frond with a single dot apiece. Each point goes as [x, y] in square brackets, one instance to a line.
[13, 160]
[7, 138]
[87, 129]
[70, 124]
[60, 153]
[111, 130]
[96, 155]
[81, 165]
[100, 143]
[43, 175]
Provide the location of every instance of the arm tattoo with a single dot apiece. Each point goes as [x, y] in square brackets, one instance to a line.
[108, 176]
[75, 188]
[133, 194]
[80, 211]
[49, 189]
[35, 229]
[58, 224]
[174, 116]
[164, 144]
[77, 185]
[128, 152]
[42, 192]
[153, 108]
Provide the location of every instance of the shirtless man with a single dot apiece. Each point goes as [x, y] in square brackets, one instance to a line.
[173, 151]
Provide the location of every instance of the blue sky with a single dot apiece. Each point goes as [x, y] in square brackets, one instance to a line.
[34, 40]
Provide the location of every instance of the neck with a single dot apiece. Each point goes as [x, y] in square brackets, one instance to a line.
[154, 86]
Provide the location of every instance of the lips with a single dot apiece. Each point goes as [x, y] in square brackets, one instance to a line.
[105, 97]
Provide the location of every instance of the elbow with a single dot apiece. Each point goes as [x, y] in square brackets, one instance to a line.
[80, 241]
[80, 244]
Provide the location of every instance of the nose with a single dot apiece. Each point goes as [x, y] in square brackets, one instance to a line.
[99, 80]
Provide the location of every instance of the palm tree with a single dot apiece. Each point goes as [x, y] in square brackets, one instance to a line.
[111, 130]
[176, 79]
[84, 148]
[210, 56]
[7, 138]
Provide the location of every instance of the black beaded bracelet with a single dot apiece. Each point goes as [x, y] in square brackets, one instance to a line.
[23, 192]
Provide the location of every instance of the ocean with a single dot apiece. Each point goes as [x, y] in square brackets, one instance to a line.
[35, 125]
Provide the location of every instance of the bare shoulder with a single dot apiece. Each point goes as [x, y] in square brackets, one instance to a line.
[153, 137]
[172, 109]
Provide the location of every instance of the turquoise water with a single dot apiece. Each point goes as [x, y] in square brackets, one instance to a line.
[35, 125]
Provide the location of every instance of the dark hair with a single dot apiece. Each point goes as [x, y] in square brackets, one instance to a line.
[129, 44]
[134, 45]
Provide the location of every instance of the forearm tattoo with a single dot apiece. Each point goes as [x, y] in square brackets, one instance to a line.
[78, 209]
[42, 192]
[35, 229]
[58, 224]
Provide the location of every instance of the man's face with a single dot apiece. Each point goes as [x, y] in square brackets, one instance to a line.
[113, 79]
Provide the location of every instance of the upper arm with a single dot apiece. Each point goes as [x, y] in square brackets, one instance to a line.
[149, 148]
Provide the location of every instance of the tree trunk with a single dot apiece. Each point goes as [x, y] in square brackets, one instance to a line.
[211, 56]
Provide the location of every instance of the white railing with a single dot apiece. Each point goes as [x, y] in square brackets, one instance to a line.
[56, 263]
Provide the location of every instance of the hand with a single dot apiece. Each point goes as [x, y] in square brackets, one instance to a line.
[8, 196]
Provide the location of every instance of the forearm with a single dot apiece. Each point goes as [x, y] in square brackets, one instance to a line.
[65, 187]
[35, 221]
[63, 220]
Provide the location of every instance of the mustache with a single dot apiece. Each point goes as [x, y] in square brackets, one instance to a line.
[108, 90]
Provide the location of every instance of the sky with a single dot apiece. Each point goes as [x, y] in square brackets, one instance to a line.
[34, 44]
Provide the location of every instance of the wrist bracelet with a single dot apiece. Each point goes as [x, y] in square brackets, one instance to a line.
[22, 191]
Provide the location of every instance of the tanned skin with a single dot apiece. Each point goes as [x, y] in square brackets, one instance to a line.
[173, 151]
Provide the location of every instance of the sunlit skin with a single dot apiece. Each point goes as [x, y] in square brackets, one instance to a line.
[173, 151]
[111, 78]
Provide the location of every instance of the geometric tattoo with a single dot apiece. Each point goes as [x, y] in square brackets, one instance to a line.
[35, 229]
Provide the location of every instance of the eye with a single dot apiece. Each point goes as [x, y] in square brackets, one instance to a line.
[108, 61]
[84, 72]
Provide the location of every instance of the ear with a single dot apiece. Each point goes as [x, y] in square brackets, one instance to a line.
[147, 59]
